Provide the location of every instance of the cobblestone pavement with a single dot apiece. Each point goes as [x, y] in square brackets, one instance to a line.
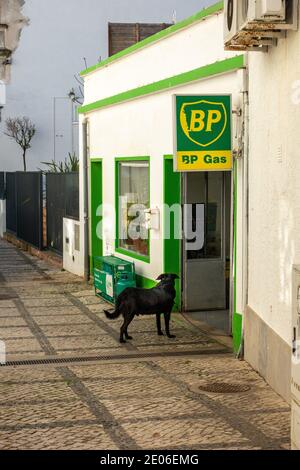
[126, 398]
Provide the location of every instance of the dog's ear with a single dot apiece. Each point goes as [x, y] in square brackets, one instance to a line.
[167, 276]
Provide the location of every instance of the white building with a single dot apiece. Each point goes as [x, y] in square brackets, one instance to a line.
[274, 209]
[127, 131]
[11, 23]
[55, 41]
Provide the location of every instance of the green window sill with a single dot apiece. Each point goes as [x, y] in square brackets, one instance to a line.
[132, 254]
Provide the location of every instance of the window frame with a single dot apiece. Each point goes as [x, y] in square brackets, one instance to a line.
[119, 249]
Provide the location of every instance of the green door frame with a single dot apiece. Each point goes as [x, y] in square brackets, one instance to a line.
[172, 246]
[96, 199]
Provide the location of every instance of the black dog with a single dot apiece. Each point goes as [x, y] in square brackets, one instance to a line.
[134, 301]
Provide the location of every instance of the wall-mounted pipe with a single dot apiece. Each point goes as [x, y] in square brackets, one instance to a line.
[85, 200]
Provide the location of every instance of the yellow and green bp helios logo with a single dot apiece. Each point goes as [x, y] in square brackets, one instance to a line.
[203, 133]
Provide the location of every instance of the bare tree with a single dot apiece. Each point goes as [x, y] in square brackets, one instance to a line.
[21, 130]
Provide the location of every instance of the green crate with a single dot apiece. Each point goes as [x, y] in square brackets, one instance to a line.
[111, 276]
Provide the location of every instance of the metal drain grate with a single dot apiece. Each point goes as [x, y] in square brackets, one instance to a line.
[83, 359]
[221, 387]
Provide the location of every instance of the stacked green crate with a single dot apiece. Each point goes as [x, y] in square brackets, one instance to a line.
[111, 276]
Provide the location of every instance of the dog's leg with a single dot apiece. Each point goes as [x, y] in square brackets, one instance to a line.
[158, 325]
[123, 331]
[167, 324]
[126, 330]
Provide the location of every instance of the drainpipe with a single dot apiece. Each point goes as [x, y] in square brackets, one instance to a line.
[245, 92]
[85, 200]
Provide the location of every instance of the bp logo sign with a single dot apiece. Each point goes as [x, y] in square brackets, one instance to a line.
[203, 133]
[203, 122]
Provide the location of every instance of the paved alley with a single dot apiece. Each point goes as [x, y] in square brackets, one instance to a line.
[69, 384]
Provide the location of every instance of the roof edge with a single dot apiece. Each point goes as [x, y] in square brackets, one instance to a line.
[197, 17]
[206, 71]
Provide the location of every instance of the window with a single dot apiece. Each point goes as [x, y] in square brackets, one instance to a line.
[133, 200]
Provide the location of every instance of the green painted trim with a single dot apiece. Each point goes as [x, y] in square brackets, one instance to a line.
[96, 198]
[132, 159]
[118, 249]
[96, 160]
[200, 16]
[217, 68]
[172, 247]
[144, 282]
[237, 321]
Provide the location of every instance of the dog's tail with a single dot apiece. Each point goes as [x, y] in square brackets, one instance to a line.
[119, 308]
[112, 315]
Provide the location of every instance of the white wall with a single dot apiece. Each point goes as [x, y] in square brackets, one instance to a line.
[274, 243]
[198, 45]
[51, 51]
[2, 217]
[144, 127]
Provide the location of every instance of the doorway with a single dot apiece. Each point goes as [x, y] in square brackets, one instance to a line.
[207, 198]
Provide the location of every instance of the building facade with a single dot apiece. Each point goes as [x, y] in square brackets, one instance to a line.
[127, 134]
[53, 47]
[128, 137]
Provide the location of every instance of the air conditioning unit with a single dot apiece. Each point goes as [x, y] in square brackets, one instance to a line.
[2, 93]
[256, 24]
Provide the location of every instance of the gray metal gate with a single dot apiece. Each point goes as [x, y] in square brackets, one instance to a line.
[62, 196]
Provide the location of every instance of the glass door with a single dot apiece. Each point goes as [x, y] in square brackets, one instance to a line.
[207, 211]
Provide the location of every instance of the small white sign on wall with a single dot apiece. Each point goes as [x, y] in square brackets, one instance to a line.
[109, 285]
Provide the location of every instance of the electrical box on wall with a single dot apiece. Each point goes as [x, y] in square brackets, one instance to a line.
[73, 259]
[295, 381]
[2, 93]
[258, 24]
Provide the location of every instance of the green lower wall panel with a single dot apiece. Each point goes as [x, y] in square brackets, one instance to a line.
[144, 282]
[96, 248]
[237, 328]
[172, 246]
